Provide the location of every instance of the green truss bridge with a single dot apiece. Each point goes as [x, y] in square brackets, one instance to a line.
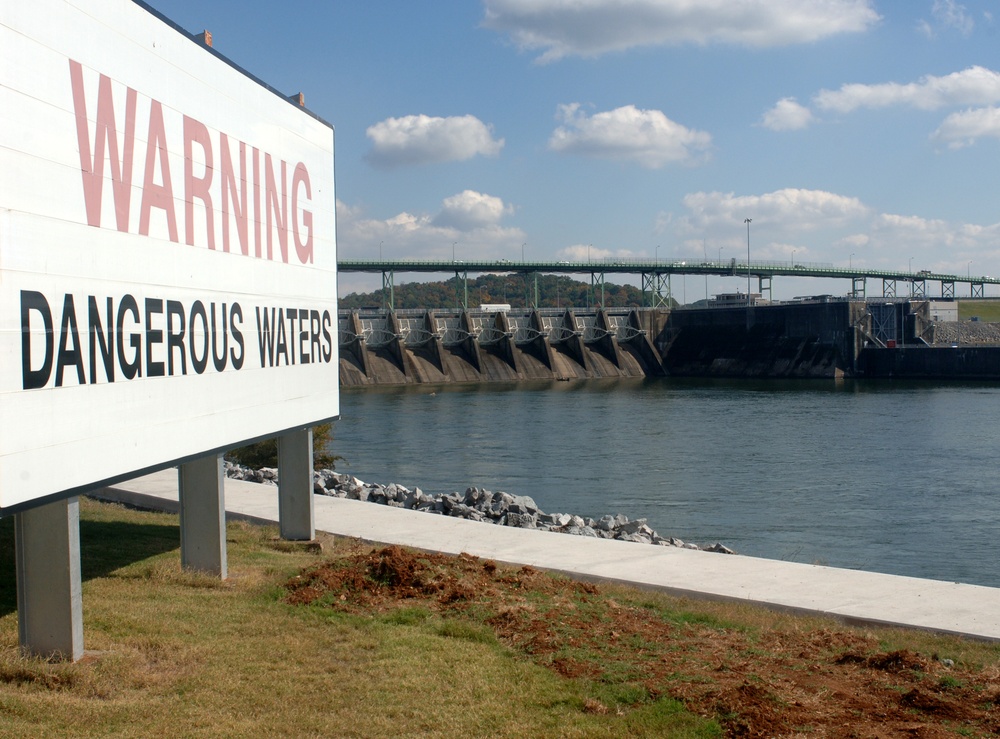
[656, 274]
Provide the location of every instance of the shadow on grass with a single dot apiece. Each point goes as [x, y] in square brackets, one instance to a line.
[105, 546]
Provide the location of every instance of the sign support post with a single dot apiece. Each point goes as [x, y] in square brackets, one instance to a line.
[168, 264]
[295, 486]
[203, 515]
[49, 590]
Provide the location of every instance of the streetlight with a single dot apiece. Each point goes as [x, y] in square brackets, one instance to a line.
[968, 270]
[850, 261]
[747, 221]
[522, 252]
[588, 252]
[383, 276]
[704, 254]
[657, 258]
[793, 257]
[453, 243]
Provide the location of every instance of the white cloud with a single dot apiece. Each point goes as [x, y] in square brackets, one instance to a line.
[470, 218]
[421, 139]
[823, 227]
[470, 210]
[966, 127]
[645, 137]
[787, 115]
[973, 86]
[560, 28]
[792, 209]
[589, 252]
[947, 14]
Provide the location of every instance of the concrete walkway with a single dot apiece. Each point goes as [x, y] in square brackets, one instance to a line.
[850, 595]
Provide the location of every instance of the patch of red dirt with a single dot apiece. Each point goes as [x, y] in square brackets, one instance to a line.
[755, 683]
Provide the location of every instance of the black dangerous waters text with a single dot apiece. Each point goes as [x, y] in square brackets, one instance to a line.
[89, 339]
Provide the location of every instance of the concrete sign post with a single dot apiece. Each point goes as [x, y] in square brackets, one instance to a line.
[49, 603]
[295, 486]
[167, 256]
[203, 515]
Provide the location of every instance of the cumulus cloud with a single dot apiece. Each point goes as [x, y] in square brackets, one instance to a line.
[824, 227]
[966, 127]
[794, 209]
[560, 28]
[645, 137]
[470, 210]
[973, 86]
[787, 115]
[591, 253]
[472, 219]
[422, 139]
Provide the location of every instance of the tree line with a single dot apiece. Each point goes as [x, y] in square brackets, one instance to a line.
[518, 291]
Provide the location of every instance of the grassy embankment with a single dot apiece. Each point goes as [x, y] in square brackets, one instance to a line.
[177, 654]
[985, 310]
[388, 644]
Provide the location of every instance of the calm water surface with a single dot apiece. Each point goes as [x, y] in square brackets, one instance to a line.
[886, 477]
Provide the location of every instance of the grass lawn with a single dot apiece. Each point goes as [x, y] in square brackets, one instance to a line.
[987, 311]
[360, 641]
[171, 653]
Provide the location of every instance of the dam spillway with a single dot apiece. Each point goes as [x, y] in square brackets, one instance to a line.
[440, 346]
[820, 338]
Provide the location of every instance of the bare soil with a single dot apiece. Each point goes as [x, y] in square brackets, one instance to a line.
[772, 681]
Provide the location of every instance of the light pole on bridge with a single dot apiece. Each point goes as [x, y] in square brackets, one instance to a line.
[747, 221]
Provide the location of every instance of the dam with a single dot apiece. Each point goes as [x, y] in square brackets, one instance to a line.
[818, 338]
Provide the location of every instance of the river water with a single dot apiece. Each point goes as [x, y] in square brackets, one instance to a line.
[889, 477]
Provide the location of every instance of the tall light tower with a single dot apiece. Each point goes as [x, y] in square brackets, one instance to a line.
[747, 221]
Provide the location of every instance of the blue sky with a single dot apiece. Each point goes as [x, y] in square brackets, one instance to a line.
[851, 131]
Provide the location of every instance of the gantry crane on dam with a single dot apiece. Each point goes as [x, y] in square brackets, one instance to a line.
[656, 274]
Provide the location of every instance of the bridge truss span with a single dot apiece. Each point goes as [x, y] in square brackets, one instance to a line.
[655, 276]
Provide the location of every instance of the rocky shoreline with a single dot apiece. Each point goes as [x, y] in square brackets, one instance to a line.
[476, 504]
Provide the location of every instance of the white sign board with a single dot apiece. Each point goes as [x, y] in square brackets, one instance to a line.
[167, 250]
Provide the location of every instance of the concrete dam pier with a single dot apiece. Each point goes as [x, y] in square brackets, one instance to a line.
[820, 338]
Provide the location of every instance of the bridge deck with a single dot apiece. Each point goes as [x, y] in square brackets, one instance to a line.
[658, 266]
